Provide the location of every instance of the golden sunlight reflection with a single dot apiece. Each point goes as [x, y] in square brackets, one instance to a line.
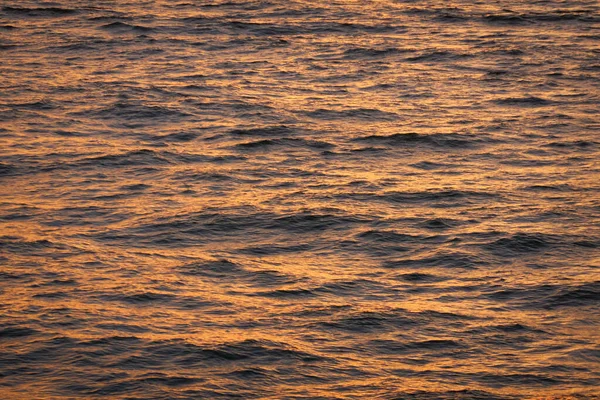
[267, 200]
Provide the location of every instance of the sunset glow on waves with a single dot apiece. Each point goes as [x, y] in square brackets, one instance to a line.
[299, 200]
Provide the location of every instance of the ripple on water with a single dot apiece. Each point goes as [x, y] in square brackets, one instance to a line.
[322, 200]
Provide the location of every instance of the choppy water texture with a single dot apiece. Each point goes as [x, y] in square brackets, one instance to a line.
[299, 199]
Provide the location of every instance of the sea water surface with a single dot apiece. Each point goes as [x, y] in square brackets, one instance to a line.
[299, 199]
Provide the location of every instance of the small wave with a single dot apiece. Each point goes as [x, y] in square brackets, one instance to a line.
[142, 298]
[366, 322]
[287, 293]
[556, 16]
[7, 169]
[418, 277]
[134, 157]
[435, 56]
[465, 394]
[44, 104]
[450, 140]
[125, 27]
[136, 114]
[506, 19]
[433, 345]
[266, 250]
[264, 29]
[217, 269]
[269, 131]
[522, 243]
[587, 294]
[456, 197]
[431, 166]
[168, 381]
[15, 332]
[511, 329]
[309, 222]
[388, 237]
[549, 188]
[39, 12]
[7, 46]
[360, 52]
[185, 354]
[443, 259]
[267, 278]
[284, 142]
[176, 137]
[550, 296]
[126, 328]
[144, 157]
[451, 16]
[529, 101]
[575, 144]
[357, 113]
[24, 246]
[440, 224]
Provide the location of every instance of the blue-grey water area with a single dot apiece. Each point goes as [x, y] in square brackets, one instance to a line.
[300, 199]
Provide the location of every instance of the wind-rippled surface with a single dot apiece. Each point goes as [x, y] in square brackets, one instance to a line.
[300, 199]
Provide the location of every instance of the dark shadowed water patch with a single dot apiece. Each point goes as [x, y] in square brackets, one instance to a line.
[268, 131]
[365, 52]
[449, 140]
[7, 169]
[550, 297]
[120, 27]
[432, 166]
[529, 101]
[122, 328]
[216, 225]
[432, 198]
[443, 197]
[417, 277]
[266, 250]
[556, 16]
[548, 188]
[437, 56]
[352, 288]
[176, 137]
[440, 224]
[443, 259]
[131, 158]
[366, 322]
[509, 329]
[182, 354]
[16, 332]
[291, 293]
[21, 245]
[169, 381]
[144, 298]
[587, 294]
[574, 144]
[217, 268]
[356, 113]
[465, 394]
[307, 222]
[268, 144]
[523, 243]
[38, 11]
[135, 114]
[388, 237]
[143, 157]
[507, 19]
[440, 347]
